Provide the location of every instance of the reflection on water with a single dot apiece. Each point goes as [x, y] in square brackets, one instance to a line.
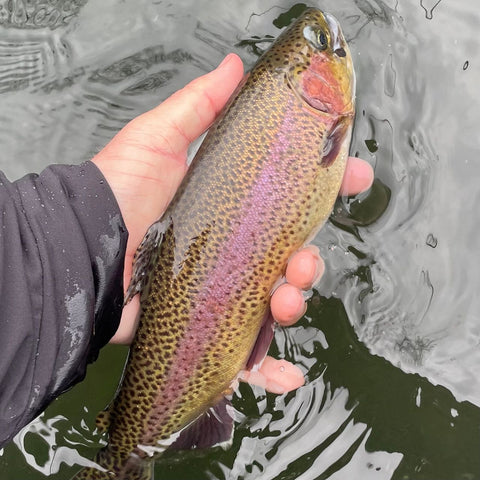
[429, 6]
[427, 305]
[391, 349]
[42, 437]
[40, 14]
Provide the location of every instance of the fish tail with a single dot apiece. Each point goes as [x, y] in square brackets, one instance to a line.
[131, 469]
[89, 473]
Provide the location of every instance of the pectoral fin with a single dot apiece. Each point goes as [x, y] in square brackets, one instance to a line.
[146, 253]
[334, 141]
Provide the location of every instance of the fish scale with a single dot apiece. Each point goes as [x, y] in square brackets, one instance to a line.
[264, 179]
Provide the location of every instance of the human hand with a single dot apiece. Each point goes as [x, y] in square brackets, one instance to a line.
[144, 165]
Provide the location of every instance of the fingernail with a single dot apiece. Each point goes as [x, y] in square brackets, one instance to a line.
[298, 305]
[274, 387]
[319, 264]
[319, 270]
[225, 60]
[357, 178]
[305, 306]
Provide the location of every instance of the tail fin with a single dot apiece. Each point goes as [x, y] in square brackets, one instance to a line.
[132, 469]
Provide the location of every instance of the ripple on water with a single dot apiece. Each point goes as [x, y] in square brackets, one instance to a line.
[25, 14]
[25, 64]
[315, 428]
[400, 258]
[421, 298]
[43, 437]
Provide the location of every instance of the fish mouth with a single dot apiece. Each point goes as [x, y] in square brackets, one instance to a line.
[336, 36]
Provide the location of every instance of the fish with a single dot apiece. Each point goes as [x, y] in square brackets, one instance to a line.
[263, 181]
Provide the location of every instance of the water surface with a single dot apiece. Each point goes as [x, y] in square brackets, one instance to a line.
[390, 343]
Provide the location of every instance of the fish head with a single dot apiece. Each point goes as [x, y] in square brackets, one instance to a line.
[315, 60]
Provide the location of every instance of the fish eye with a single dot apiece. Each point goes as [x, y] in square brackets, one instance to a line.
[316, 37]
[322, 39]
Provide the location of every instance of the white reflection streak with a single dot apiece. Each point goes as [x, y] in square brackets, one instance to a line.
[335, 451]
[56, 454]
[306, 425]
[366, 465]
[317, 425]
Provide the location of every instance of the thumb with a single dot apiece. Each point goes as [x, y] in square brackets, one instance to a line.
[146, 161]
[185, 115]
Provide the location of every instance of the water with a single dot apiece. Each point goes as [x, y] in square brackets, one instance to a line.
[391, 339]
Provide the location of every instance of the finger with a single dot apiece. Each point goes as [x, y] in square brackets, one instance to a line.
[191, 110]
[358, 177]
[287, 304]
[146, 161]
[128, 323]
[305, 268]
[276, 376]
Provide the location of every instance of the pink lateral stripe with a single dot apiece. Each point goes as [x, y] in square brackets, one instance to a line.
[215, 294]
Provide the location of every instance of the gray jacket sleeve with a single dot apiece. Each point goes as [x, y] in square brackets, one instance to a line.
[62, 248]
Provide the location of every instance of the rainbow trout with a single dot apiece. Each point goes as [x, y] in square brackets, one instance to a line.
[265, 178]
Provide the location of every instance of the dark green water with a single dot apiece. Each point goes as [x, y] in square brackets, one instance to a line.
[391, 339]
